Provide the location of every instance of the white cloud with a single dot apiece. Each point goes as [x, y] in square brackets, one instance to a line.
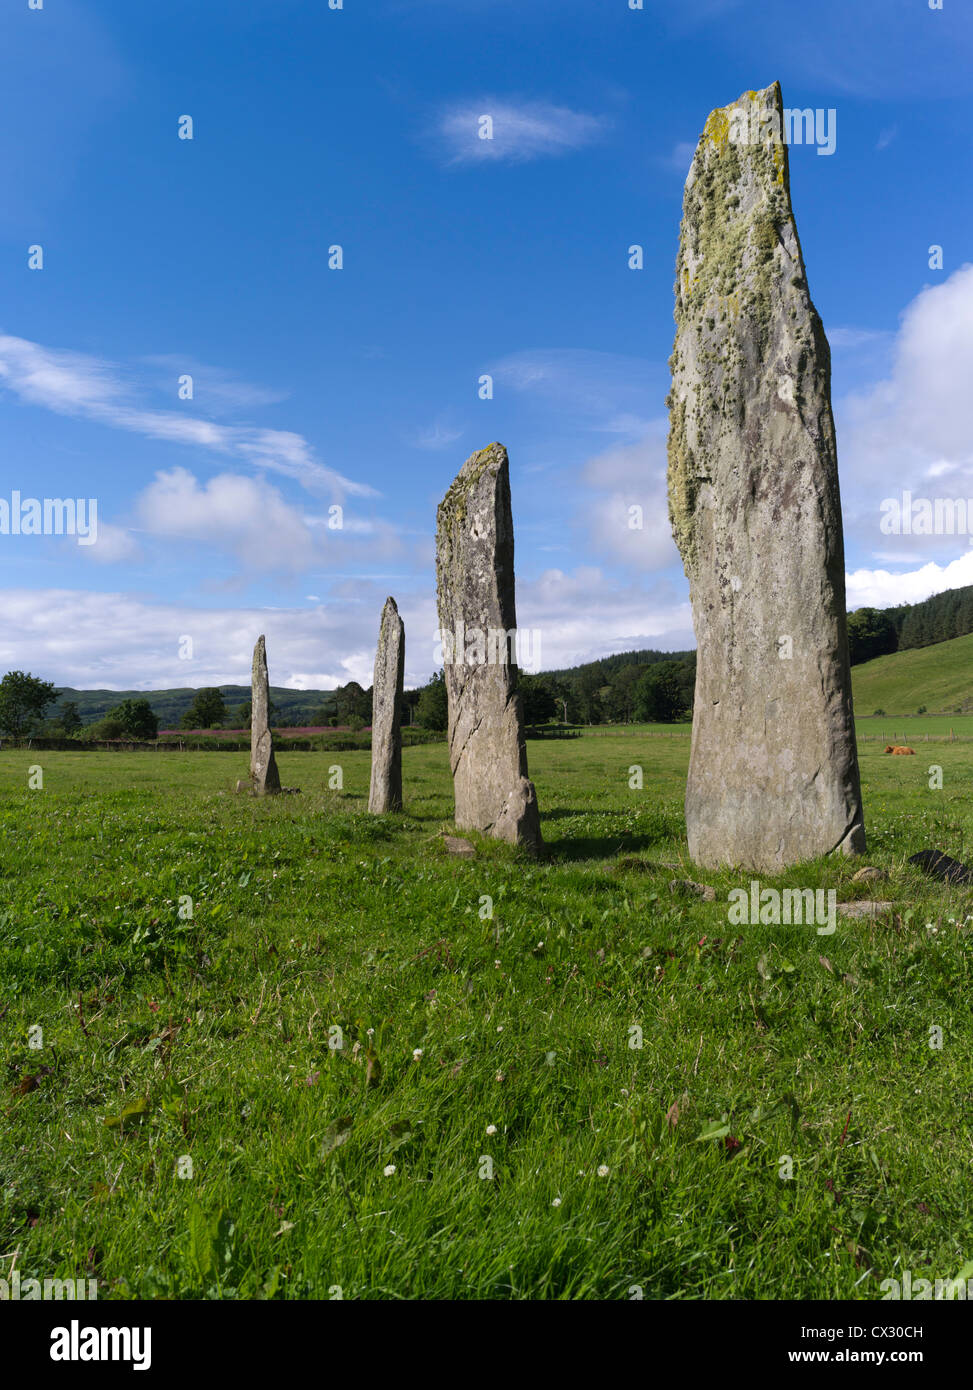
[913, 430]
[630, 476]
[119, 641]
[520, 131]
[229, 512]
[883, 589]
[113, 544]
[71, 383]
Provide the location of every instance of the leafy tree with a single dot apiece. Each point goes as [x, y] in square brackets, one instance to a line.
[661, 694]
[588, 694]
[432, 710]
[241, 716]
[108, 728]
[871, 633]
[136, 719]
[23, 700]
[351, 700]
[620, 701]
[207, 711]
[68, 717]
[540, 705]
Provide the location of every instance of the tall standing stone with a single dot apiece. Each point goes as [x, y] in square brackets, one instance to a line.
[264, 778]
[755, 511]
[478, 622]
[385, 792]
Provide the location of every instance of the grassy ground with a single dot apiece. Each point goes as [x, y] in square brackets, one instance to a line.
[937, 677]
[784, 1130]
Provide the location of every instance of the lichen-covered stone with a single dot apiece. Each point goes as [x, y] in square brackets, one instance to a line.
[385, 791]
[475, 580]
[264, 777]
[755, 512]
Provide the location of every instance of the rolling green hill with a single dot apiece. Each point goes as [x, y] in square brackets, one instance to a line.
[294, 706]
[939, 677]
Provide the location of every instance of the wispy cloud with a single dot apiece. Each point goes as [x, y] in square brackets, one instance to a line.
[491, 130]
[852, 339]
[681, 157]
[214, 389]
[886, 137]
[437, 435]
[608, 391]
[72, 383]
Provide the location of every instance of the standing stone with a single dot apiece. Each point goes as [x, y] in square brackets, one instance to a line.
[385, 792]
[477, 621]
[755, 512]
[264, 777]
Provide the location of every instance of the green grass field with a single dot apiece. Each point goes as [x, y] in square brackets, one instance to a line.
[184, 1128]
[938, 677]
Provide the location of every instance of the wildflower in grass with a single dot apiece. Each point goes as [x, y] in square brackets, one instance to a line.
[556, 1202]
[603, 1170]
[370, 1032]
[499, 1075]
[416, 1054]
[491, 1129]
[389, 1169]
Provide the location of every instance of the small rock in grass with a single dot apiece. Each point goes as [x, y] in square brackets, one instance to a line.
[866, 908]
[686, 885]
[461, 848]
[869, 875]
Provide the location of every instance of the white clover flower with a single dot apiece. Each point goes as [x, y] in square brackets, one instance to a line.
[556, 1202]
[491, 1129]
[370, 1032]
[416, 1053]
[388, 1170]
[603, 1170]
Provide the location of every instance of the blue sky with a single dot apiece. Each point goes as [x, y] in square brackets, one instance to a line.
[357, 387]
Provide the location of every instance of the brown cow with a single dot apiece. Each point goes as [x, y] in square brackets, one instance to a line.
[890, 749]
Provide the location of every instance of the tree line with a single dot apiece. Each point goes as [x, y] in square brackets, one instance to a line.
[630, 687]
[876, 632]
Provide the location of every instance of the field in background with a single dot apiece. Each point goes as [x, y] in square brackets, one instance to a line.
[939, 677]
[175, 1043]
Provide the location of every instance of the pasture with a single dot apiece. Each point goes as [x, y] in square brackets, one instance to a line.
[178, 1120]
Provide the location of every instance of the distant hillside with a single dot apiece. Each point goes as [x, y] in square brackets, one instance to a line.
[939, 677]
[292, 706]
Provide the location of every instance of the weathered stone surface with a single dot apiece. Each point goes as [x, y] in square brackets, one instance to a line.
[462, 849]
[477, 619]
[755, 512]
[264, 777]
[385, 791]
[867, 908]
